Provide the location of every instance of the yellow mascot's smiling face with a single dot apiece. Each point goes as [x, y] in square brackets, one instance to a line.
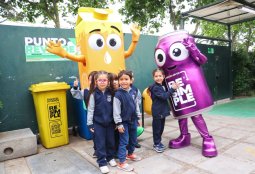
[100, 38]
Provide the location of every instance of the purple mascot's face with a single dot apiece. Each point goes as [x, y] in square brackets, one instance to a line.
[170, 53]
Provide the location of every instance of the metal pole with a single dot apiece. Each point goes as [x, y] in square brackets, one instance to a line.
[230, 61]
[142, 113]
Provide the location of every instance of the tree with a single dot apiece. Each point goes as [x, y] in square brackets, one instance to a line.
[150, 15]
[145, 13]
[246, 33]
[241, 34]
[50, 10]
[243, 70]
[8, 11]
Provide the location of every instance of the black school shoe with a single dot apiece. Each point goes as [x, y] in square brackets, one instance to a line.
[137, 145]
[94, 155]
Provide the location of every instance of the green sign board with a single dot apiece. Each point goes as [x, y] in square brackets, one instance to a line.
[210, 50]
[35, 48]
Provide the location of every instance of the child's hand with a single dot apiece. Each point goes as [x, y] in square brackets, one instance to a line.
[76, 83]
[92, 130]
[121, 129]
[139, 123]
[175, 86]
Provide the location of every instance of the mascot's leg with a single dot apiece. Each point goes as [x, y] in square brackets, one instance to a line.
[184, 139]
[209, 148]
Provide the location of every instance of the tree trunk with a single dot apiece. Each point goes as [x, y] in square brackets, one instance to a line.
[57, 23]
[196, 28]
[234, 44]
[172, 16]
[248, 41]
[56, 15]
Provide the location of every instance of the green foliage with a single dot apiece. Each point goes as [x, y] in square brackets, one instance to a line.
[50, 10]
[151, 15]
[243, 73]
[74, 5]
[242, 35]
[245, 33]
[146, 13]
[8, 11]
[213, 30]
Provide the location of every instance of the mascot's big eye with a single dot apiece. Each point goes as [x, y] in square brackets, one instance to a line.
[178, 52]
[113, 41]
[160, 57]
[96, 41]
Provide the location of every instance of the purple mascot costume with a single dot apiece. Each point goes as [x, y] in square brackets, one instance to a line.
[177, 54]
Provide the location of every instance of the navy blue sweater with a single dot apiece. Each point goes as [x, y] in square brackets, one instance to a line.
[103, 110]
[160, 107]
[128, 110]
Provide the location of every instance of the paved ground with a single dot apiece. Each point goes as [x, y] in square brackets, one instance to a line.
[235, 139]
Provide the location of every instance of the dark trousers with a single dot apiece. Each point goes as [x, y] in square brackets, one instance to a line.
[105, 144]
[117, 140]
[127, 140]
[94, 141]
[158, 126]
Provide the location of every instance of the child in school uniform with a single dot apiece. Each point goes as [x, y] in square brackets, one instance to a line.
[125, 113]
[160, 107]
[83, 95]
[116, 86]
[100, 119]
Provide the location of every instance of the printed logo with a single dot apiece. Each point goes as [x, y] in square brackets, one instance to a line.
[55, 129]
[109, 98]
[54, 115]
[35, 48]
[183, 98]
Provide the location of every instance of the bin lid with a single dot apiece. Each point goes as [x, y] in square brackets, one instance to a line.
[48, 86]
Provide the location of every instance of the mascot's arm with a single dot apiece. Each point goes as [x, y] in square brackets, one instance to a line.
[135, 38]
[56, 48]
[194, 51]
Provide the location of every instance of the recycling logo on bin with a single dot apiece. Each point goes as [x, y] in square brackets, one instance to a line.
[54, 114]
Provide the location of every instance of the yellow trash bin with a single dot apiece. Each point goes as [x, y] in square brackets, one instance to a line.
[51, 112]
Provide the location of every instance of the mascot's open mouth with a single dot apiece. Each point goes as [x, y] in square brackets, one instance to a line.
[171, 67]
